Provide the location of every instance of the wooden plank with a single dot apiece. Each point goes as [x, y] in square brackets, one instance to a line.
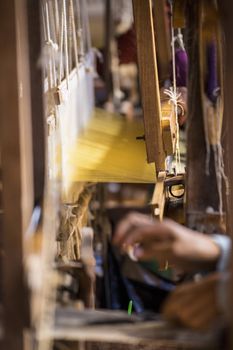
[168, 127]
[179, 13]
[148, 74]
[163, 40]
[158, 199]
[37, 113]
[24, 102]
[14, 109]
[71, 326]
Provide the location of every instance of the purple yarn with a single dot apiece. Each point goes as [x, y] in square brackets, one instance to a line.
[181, 67]
[211, 80]
[211, 77]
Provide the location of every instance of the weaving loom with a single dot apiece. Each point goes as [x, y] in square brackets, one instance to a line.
[87, 149]
[87, 145]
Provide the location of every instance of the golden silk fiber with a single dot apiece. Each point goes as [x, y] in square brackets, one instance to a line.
[108, 151]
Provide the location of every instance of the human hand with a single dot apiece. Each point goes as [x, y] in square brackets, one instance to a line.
[166, 241]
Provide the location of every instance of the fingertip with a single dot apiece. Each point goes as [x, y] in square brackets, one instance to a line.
[139, 252]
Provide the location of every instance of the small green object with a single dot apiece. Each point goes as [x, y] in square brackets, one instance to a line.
[130, 307]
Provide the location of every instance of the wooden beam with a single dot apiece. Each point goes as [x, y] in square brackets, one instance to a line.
[163, 40]
[179, 13]
[149, 84]
[201, 188]
[37, 113]
[24, 102]
[158, 199]
[226, 11]
[15, 145]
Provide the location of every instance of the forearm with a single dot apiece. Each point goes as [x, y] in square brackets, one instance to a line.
[225, 245]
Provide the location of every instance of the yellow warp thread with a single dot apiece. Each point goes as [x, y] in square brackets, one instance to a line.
[107, 151]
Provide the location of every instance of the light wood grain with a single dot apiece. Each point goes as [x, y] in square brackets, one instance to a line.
[149, 81]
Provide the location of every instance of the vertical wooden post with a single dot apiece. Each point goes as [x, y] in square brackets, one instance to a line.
[11, 177]
[15, 145]
[37, 113]
[163, 39]
[201, 188]
[149, 83]
[25, 117]
[226, 11]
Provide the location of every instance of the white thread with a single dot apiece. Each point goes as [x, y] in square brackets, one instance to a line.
[218, 158]
[74, 35]
[81, 30]
[52, 52]
[179, 39]
[57, 20]
[61, 48]
[50, 68]
[46, 63]
[70, 35]
[174, 95]
[66, 44]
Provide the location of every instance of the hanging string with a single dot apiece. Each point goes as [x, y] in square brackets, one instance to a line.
[61, 42]
[82, 32]
[52, 50]
[51, 44]
[219, 112]
[218, 158]
[57, 20]
[66, 43]
[173, 94]
[79, 29]
[179, 39]
[70, 35]
[55, 33]
[52, 23]
[45, 62]
[64, 37]
[43, 21]
[48, 42]
[74, 35]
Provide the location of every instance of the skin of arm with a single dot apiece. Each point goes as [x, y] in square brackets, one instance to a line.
[188, 250]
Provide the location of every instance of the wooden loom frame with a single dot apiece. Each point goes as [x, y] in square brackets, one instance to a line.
[159, 118]
[12, 165]
[148, 74]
